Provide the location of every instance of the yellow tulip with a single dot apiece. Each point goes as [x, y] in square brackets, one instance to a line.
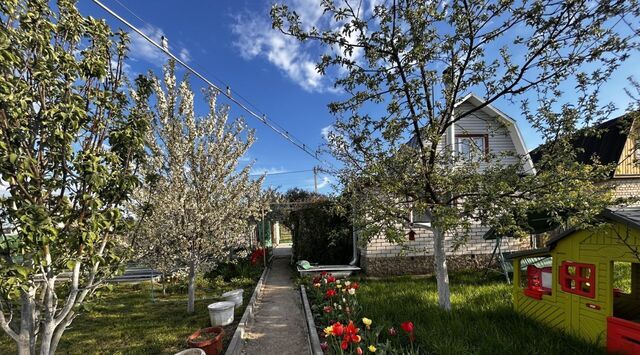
[328, 330]
[372, 348]
[367, 321]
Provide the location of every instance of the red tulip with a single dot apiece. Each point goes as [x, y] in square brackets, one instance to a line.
[331, 279]
[330, 293]
[407, 327]
[359, 350]
[338, 329]
[350, 331]
[327, 309]
[345, 344]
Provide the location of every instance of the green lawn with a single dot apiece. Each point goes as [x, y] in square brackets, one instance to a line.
[482, 320]
[127, 321]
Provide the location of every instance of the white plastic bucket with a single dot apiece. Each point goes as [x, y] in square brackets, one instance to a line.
[234, 296]
[192, 351]
[221, 313]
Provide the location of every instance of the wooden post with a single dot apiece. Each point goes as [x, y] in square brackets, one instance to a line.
[264, 243]
[315, 179]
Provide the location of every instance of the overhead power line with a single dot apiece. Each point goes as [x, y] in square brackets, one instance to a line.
[227, 93]
[282, 172]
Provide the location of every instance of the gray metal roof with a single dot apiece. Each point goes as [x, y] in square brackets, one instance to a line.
[625, 215]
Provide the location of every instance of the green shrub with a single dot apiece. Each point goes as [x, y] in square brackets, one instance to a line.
[321, 234]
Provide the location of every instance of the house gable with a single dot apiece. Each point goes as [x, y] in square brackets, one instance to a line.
[502, 130]
[628, 160]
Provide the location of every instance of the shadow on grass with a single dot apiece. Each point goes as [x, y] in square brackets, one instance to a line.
[482, 320]
[127, 321]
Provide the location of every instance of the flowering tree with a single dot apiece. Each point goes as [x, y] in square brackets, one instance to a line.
[197, 197]
[417, 59]
[69, 146]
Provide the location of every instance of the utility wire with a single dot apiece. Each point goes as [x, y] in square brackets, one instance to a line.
[282, 173]
[262, 118]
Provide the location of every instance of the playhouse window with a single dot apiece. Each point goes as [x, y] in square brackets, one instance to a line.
[622, 277]
[578, 278]
[536, 279]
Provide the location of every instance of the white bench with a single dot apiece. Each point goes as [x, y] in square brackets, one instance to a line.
[335, 270]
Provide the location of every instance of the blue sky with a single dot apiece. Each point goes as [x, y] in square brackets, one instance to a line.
[232, 43]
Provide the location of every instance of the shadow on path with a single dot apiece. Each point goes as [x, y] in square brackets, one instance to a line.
[278, 326]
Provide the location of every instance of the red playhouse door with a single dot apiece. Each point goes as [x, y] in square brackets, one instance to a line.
[623, 336]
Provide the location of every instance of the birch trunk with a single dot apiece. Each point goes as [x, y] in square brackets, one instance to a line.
[192, 287]
[442, 274]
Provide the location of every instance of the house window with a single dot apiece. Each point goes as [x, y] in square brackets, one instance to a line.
[578, 278]
[471, 146]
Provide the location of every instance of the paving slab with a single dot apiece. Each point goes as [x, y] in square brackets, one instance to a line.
[278, 326]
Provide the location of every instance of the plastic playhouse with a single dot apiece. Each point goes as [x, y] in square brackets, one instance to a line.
[571, 283]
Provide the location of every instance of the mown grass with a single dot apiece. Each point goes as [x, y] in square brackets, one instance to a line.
[482, 320]
[127, 321]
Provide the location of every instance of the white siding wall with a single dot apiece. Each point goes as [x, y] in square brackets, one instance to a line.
[481, 123]
[499, 141]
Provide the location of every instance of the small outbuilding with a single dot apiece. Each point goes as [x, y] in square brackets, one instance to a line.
[586, 282]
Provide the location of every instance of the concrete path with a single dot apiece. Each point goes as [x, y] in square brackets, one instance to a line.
[278, 326]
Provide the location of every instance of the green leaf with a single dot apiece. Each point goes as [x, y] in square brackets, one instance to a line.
[23, 271]
[71, 264]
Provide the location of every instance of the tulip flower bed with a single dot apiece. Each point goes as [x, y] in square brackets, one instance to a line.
[345, 329]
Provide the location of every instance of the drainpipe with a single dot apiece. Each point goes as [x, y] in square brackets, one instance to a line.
[354, 259]
[451, 137]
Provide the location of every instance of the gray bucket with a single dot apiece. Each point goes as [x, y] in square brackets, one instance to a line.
[234, 296]
[221, 313]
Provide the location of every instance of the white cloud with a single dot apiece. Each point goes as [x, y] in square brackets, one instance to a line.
[184, 55]
[324, 183]
[261, 171]
[140, 48]
[325, 132]
[256, 38]
[126, 68]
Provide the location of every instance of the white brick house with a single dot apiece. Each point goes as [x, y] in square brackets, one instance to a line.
[492, 131]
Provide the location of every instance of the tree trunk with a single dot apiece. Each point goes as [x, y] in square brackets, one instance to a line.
[27, 338]
[48, 325]
[47, 329]
[23, 347]
[60, 330]
[192, 287]
[442, 274]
